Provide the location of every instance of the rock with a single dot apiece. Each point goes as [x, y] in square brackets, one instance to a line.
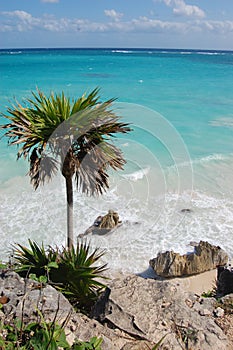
[143, 301]
[103, 224]
[26, 296]
[186, 210]
[205, 257]
[205, 312]
[138, 345]
[228, 299]
[110, 220]
[124, 320]
[136, 315]
[219, 312]
[224, 281]
[99, 309]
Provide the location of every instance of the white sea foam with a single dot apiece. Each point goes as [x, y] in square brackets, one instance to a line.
[122, 51]
[137, 175]
[210, 53]
[151, 222]
[223, 121]
[15, 52]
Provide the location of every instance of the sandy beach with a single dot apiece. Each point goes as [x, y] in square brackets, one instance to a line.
[200, 283]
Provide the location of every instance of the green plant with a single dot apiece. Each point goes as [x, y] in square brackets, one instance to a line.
[157, 345]
[93, 344]
[78, 273]
[57, 133]
[3, 265]
[209, 294]
[40, 336]
[187, 334]
[37, 336]
[72, 271]
[35, 261]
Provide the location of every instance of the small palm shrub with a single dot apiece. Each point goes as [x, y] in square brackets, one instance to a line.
[73, 271]
[35, 261]
[35, 335]
[77, 273]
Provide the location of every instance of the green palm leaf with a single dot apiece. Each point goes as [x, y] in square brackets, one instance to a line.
[74, 135]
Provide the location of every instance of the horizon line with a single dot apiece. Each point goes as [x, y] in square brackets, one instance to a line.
[111, 48]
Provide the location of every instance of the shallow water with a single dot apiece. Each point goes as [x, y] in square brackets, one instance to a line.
[179, 156]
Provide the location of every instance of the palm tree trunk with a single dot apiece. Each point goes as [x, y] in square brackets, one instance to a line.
[70, 205]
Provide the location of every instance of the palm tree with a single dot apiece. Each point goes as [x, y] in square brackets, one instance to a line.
[74, 135]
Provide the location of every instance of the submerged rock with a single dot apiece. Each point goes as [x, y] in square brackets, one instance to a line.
[205, 257]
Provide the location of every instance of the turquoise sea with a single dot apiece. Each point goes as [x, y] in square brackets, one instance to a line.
[179, 156]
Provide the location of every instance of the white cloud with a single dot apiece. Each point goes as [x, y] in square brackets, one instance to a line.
[23, 21]
[183, 9]
[188, 10]
[147, 24]
[116, 16]
[24, 16]
[218, 27]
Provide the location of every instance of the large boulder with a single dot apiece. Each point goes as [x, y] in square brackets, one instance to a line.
[205, 257]
[103, 224]
[151, 309]
[224, 281]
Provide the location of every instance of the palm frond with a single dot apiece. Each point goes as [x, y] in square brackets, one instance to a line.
[80, 127]
[42, 167]
[34, 259]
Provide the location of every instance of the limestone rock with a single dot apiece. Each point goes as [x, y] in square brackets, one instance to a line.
[205, 257]
[138, 345]
[219, 312]
[135, 315]
[103, 224]
[228, 299]
[158, 308]
[26, 296]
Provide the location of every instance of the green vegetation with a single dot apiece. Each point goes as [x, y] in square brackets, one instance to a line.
[186, 334]
[209, 294]
[227, 306]
[40, 336]
[74, 136]
[74, 271]
[93, 344]
[55, 132]
[157, 345]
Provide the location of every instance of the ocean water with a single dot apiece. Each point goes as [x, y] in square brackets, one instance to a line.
[179, 155]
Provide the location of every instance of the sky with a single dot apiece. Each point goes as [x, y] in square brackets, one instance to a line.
[190, 24]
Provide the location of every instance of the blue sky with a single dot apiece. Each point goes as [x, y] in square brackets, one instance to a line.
[200, 24]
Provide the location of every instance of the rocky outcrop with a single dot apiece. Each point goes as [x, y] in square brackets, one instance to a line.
[205, 257]
[161, 308]
[24, 297]
[103, 224]
[136, 313]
